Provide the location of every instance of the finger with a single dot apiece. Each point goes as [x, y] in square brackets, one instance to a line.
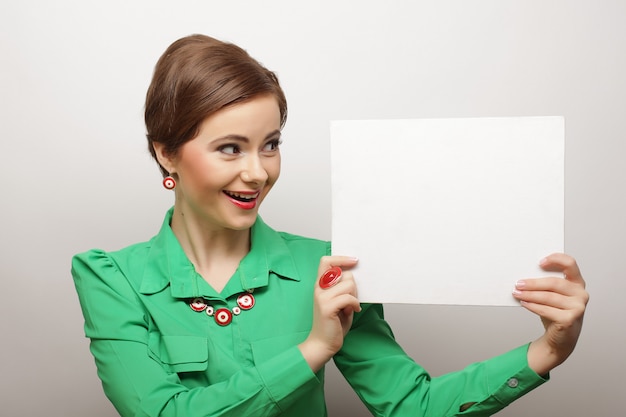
[346, 285]
[348, 303]
[550, 299]
[551, 314]
[565, 317]
[351, 289]
[327, 297]
[332, 307]
[560, 262]
[557, 285]
[346, 317]
[344, 262]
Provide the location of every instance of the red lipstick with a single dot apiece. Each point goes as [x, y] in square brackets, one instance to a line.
[245, 200]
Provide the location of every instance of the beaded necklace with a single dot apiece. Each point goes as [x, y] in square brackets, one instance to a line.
[223, 316]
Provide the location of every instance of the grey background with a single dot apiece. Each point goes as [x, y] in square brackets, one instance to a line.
[76, 173]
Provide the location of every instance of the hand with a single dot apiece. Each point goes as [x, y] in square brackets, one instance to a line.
[334, 309]
[561, 305]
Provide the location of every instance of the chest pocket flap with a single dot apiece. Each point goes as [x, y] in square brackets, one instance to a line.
[180, 353]
[265, 349]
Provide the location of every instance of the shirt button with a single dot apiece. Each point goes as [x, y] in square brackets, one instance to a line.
[512, 383]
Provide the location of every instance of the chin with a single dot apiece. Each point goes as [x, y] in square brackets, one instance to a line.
[243, 223]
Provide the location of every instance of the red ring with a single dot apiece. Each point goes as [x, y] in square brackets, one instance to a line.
[330, 277]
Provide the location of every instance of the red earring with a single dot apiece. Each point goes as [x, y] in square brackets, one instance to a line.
[169, 182]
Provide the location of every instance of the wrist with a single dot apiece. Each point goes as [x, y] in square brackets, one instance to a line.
[542, 357]
[315, 354]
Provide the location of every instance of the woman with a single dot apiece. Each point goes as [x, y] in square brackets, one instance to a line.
[219, 315]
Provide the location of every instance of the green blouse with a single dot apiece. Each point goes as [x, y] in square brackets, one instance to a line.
[156, 356]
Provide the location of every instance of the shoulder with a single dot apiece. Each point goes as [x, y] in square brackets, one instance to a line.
[266, 236]
[306, 243]
[100, 257]
[305, 251]
[108, 265]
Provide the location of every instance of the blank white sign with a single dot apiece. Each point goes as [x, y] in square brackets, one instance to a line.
[447, 211]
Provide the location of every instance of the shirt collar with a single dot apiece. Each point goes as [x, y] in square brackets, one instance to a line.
[167, 263]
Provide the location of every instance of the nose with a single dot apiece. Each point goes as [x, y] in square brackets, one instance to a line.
[253, 170]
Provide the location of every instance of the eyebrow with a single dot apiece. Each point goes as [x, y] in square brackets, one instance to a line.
[241, 138]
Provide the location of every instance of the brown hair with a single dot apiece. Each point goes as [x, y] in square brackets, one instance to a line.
[195, 77]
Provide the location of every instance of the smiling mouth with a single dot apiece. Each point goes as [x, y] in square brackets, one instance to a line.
[243, 197]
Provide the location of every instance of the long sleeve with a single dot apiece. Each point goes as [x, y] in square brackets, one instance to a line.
[391, 384]
[141, 368]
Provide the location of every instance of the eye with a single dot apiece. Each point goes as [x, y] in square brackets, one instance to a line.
[272, 145]
[230, 149]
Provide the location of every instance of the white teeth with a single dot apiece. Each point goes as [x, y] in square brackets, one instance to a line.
[243, 196]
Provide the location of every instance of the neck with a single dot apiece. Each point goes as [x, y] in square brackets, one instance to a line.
[214, 251]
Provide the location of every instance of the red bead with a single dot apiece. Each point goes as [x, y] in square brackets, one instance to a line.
[223, 317]
[198, 304]
[245, 301]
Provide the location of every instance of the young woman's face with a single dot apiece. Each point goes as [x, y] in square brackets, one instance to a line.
[226, 171]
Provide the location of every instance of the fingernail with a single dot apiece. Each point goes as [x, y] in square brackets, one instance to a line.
[543, 261]
[520, 284]
[517, 292]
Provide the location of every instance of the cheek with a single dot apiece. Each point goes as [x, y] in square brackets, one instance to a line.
[195, 163]
[199, 179]
[273, 171]
[199, 173]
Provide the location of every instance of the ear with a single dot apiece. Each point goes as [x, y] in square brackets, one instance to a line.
[164, 158]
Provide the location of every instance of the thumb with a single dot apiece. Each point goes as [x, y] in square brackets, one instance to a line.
[560, 262]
